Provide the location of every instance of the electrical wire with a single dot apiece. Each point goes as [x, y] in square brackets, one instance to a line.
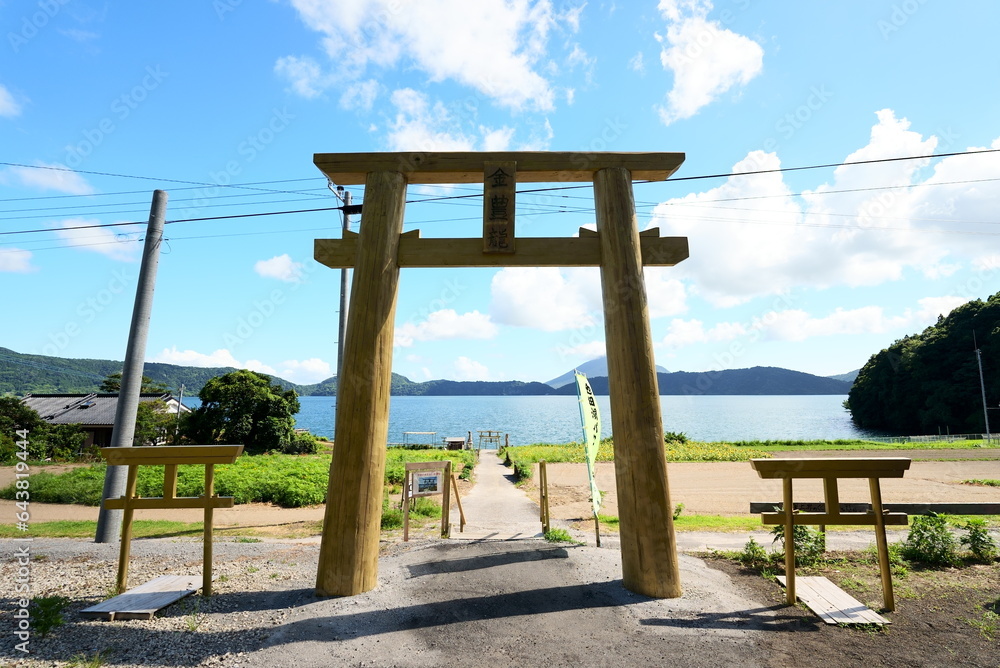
[478, 194]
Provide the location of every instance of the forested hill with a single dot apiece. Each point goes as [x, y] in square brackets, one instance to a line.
[21, 374]
[930, 381]
[757, 380]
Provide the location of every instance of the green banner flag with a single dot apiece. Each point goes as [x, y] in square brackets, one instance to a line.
[591, 418]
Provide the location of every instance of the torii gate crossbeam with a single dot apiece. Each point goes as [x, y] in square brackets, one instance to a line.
[348, 561]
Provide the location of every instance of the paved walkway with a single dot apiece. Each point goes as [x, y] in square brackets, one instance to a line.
[495, 508]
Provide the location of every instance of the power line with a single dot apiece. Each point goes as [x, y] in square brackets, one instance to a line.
[477, 194]
[139, 192]
[144, 178]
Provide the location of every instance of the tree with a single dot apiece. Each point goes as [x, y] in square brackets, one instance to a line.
[244, 407]
[154, 423]
[45, 441]
[928, 383]
[113, 384]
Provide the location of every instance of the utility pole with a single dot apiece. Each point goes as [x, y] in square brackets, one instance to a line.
[982, 388]
[177, 420]
[109, 521]
[345, 197]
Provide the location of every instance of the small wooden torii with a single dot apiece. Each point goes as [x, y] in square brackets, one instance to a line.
[348, 560]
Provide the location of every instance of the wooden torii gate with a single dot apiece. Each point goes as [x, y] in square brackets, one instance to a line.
[348, 559]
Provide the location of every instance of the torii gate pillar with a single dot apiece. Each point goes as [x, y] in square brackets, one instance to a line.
[348, 560]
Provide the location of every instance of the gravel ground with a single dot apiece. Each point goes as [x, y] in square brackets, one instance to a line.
[437, 603]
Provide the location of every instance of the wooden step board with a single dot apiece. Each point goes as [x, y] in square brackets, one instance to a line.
[143, 601]
[831, 603]
[494, 535]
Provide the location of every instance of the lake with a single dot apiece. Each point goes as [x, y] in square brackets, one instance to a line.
[556, 419]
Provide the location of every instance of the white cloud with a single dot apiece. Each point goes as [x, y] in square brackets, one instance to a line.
[769, 241]
[119, 246]
[546, 298]
[60, 178]
[420, 125]
[281, 267]
[664, 294]
[468, 369]
[637, 63]
[303, 372]
[360, 95]
[16, 260]
[799, 325]
[681, 333]
[492, 47]
[304, 74]
[706, 59]
[8, 105]
[446, 324]
[589, 350]
[218, 358]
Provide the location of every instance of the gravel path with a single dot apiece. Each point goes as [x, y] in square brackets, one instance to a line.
[462, 602]
[495, 507]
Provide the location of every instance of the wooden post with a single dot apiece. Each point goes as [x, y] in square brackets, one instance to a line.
[126, 546]
[206, 568]
[446, 502]
[406, 507]
[831, 497]
[348, 557]
[883, 545]
[649, 550]
[789, 509]
[458, 501]
[543, 493]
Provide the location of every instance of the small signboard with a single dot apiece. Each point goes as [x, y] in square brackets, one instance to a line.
[427, 479]
[426, 483]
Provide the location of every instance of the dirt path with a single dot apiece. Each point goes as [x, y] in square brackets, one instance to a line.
[497, 508]
[727, 488]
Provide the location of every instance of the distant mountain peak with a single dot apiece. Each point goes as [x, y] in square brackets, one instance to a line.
[595, 367]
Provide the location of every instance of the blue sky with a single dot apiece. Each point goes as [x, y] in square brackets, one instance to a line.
[786, 269]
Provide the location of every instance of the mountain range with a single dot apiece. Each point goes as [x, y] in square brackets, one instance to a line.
[39, 374]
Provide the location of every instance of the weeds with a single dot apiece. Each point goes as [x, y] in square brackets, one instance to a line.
[978, 540]
[809, 545]
[84, 661]
[560, 536]
[930, 542]
[193, 621]
[753, 555]
[47, 613]
[988, 624]
[678, 509]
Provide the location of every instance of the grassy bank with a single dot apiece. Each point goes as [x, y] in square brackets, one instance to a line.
[522, 457]
[290, 481]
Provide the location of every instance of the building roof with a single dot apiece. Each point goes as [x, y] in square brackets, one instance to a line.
[88, 409]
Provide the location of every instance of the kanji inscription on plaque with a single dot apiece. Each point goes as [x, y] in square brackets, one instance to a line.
[499, 183]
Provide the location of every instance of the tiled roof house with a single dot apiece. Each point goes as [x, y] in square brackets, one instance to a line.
[94, 412]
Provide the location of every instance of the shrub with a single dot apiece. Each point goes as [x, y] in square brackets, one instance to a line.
[392, 518]
[675, 437]
[978, 540]
[754, 555]
[809, 545]
[560, 536]
[678, 509]
[47, 613]
[302, 443]
[930, 542]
